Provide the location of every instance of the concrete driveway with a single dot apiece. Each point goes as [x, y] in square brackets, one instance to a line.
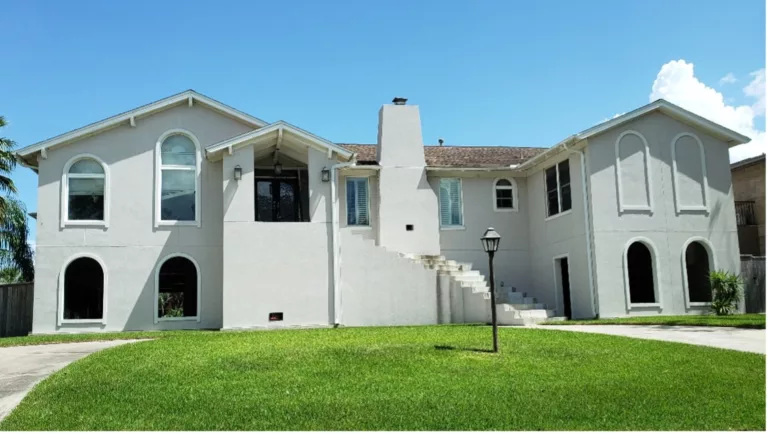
[23, 367]
[730, 338]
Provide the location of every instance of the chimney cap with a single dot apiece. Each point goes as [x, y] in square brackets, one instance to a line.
[399, 100]
[440, 141]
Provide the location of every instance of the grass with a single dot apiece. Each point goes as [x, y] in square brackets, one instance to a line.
[747, 321]
[400, 378]
[89, 337]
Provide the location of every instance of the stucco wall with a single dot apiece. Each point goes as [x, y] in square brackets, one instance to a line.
[563, 234]
[380, 288]
[666, 227]
[131, 246]
[512, 261]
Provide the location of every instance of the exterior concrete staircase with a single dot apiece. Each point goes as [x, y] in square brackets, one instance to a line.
[470, 295]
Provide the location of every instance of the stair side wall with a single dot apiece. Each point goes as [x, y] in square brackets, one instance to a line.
[378, 287]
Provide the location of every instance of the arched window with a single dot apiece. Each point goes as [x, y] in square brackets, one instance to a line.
[177, 289]
[505, 195]
[640, 274]
[82, 291]
[85, 182]
[698, 263]
[178, 189]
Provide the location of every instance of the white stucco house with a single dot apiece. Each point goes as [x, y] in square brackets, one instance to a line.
[188, 213]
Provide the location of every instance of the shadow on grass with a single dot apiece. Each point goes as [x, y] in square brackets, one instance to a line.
[452, 348]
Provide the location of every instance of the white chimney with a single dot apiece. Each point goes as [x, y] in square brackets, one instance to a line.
[400, 143]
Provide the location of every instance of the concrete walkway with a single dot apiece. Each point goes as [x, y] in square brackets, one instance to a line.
[23, 367]
[730, 338]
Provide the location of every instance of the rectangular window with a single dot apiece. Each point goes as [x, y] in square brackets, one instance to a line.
[86, 199]
[357, 202]
[177, 197]
[451, 211]
[558, 184]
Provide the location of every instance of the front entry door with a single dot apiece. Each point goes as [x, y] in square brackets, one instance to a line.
[277, 200]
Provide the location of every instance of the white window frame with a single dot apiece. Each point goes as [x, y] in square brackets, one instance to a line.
[105, 273]
[159, 167]
[560, 211]
[512, 187]
[65, 176]
[458, 227]
[368, 202]
[157, 289]
[654, 269]
[623, 206]
[712, 266]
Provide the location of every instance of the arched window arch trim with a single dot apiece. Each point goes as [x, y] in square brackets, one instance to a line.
[158, 179]
[512, 187]
[655, 268]
[65, 176]
[623, 206]
[157, 288]
[679, 207]
[712, 266]
[62, 273]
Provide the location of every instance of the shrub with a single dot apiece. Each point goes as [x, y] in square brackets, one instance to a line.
[726, 291]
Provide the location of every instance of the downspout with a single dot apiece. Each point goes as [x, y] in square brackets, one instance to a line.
[336, 240]
[588, 231]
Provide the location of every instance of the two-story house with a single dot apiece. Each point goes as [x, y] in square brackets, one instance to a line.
[187, 213]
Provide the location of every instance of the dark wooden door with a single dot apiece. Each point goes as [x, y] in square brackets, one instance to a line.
[277, 200]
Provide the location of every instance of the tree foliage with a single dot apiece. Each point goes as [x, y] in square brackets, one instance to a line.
[726, 291]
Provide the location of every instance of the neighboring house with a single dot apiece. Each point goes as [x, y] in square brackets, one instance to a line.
[749, 193]
[187, 213]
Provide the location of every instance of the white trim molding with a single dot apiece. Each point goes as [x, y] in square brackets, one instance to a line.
[61, 292]
[512, 187]
[654, 269]
[558, 291]
[712, 266]
[347, 179]
[157, 289]
[624, 207]
[64, 220]
[159, 166]
[679, 207]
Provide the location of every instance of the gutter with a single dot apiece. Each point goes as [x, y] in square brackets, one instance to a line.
[336, 240]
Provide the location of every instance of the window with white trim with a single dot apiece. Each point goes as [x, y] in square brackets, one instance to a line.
[451, 211]
[83, 290]
[505, 195]
[178, 289]
[558, 183]
[85, 184]
[358, 206]
[179, 172]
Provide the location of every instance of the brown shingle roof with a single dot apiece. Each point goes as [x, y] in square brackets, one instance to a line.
[457, 156]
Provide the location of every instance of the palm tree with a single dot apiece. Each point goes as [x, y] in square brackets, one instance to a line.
[7, 164]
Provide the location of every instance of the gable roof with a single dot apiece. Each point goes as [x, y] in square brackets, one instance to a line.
[278, 127]
[458, 156]
[748, 162]
[188, 96]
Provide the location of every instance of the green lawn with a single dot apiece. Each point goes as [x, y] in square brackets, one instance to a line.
[89, 337]
[747, 321]
[400, 378]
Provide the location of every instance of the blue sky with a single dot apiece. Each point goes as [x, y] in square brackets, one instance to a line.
[483, 72]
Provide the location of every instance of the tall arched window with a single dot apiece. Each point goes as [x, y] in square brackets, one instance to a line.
[698, 264]
[640, 274]
[178, 189]
[505, 195]
[177, 289]
[82, 291]
[84, 192]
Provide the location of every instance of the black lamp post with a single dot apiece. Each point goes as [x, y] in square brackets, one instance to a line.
[490, 241]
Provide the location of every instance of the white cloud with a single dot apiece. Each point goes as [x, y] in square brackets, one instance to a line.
[677, 84]
[728, 79]
[614, 117]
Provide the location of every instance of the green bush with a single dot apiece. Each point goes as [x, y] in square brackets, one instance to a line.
[726, 291]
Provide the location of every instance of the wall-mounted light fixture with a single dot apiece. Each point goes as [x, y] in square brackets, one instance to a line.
[278, 168]
[325, 174]
[238, 173]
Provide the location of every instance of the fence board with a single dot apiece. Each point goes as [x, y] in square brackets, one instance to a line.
[753, 274]
[16, 309]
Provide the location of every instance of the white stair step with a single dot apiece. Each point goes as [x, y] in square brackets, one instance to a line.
[529, 306]
[469, 278]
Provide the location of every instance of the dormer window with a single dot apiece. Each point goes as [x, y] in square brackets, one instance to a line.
[85, 182]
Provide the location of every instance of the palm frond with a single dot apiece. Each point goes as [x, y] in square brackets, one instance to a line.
[15, 251]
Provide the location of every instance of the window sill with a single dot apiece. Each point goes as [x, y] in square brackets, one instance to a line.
[643, 305]
[552, 217]
[179, 318]
[453, 228]
[692, 209]
[84, 223]
[177, 223]
[699, 303]
[99, 321]
[360, 227]
[505, 209]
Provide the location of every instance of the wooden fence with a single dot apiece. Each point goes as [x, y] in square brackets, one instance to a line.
[753, 274]
[16, 309]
